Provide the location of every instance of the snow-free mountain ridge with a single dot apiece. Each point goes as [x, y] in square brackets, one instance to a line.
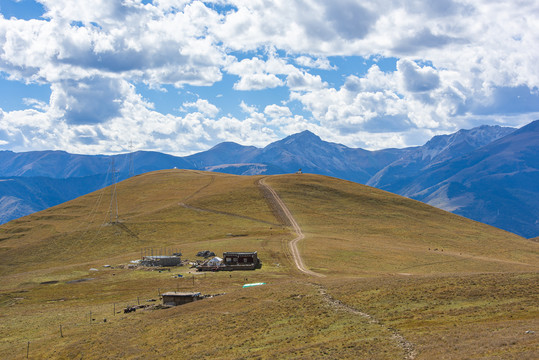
[488, 173]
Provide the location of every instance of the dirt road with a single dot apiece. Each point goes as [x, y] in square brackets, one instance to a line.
[409, 348]
[292, 245]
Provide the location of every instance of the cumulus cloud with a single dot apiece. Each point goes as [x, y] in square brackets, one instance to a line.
[349, 19]
[318, 63]
[202, 106]
[258, 82]
[453, 61]
[380, 102]
[258, 74]
[423, 39]
[276, 111]
[299, 80]
[416, 79]
[139, 43]
[88, 101]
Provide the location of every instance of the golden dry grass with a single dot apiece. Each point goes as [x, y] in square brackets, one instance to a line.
[363, 230]
[478, 296]
[459, 317]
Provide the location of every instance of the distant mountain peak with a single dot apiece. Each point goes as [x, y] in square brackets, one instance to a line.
[463, 141]
[229, 145]
[305, 135]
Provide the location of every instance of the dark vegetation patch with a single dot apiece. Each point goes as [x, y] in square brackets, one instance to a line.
[79, 280]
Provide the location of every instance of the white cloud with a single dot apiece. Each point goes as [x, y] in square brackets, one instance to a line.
[124, 39]
[168, 5]
[258, 74]
[36, 104]
[90, 101]
[203, 106]
[454, 61]
[276, 111]
[417, 79]
[27, 129]
[302, 81]
[257, 82]
[495, 38]
[249, 109]
[318, 63]
[412, 97]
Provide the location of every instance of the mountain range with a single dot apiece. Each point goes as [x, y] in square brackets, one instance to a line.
[489, 173]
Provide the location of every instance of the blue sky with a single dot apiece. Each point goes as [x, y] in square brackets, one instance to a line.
[180, 76]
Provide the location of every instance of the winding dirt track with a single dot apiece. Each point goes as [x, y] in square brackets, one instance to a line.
[410, 352]
[292, 245]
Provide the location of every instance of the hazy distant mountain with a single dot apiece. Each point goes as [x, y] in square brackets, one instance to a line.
[60, 164]
[399, 176]
[313, 155]
[304, 151]
[20, 196]
[497, 184]
[489, 173]
[34, 181]
[53, 164]
[223, 153]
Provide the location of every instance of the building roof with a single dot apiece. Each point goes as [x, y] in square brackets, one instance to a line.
[240, 252]
[181, 294]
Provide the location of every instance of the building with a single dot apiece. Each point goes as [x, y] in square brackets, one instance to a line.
[241, 260]
[161, 260]
[216, 261]
[233, 261]
[174, 298]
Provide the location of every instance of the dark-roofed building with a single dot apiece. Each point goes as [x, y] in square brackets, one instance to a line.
[175, 298]
[241, 259]
[234, 260]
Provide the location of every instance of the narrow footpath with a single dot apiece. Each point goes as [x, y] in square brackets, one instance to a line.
[292, 245]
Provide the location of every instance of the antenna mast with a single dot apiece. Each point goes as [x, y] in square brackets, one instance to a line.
[131, 156]
[113, 209]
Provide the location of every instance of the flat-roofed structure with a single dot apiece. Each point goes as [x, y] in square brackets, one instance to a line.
[175, 298]
[161, 260]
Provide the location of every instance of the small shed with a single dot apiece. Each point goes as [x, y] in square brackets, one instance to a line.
[175, 298]
[216, 261]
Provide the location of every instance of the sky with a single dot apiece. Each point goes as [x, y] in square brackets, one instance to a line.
[177, 76]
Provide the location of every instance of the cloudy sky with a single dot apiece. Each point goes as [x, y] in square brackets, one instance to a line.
[180, 76]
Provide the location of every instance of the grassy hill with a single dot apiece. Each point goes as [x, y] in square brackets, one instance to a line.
[401, 276]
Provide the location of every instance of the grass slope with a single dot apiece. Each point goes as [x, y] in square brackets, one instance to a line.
[390, 291]
[354, 229]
